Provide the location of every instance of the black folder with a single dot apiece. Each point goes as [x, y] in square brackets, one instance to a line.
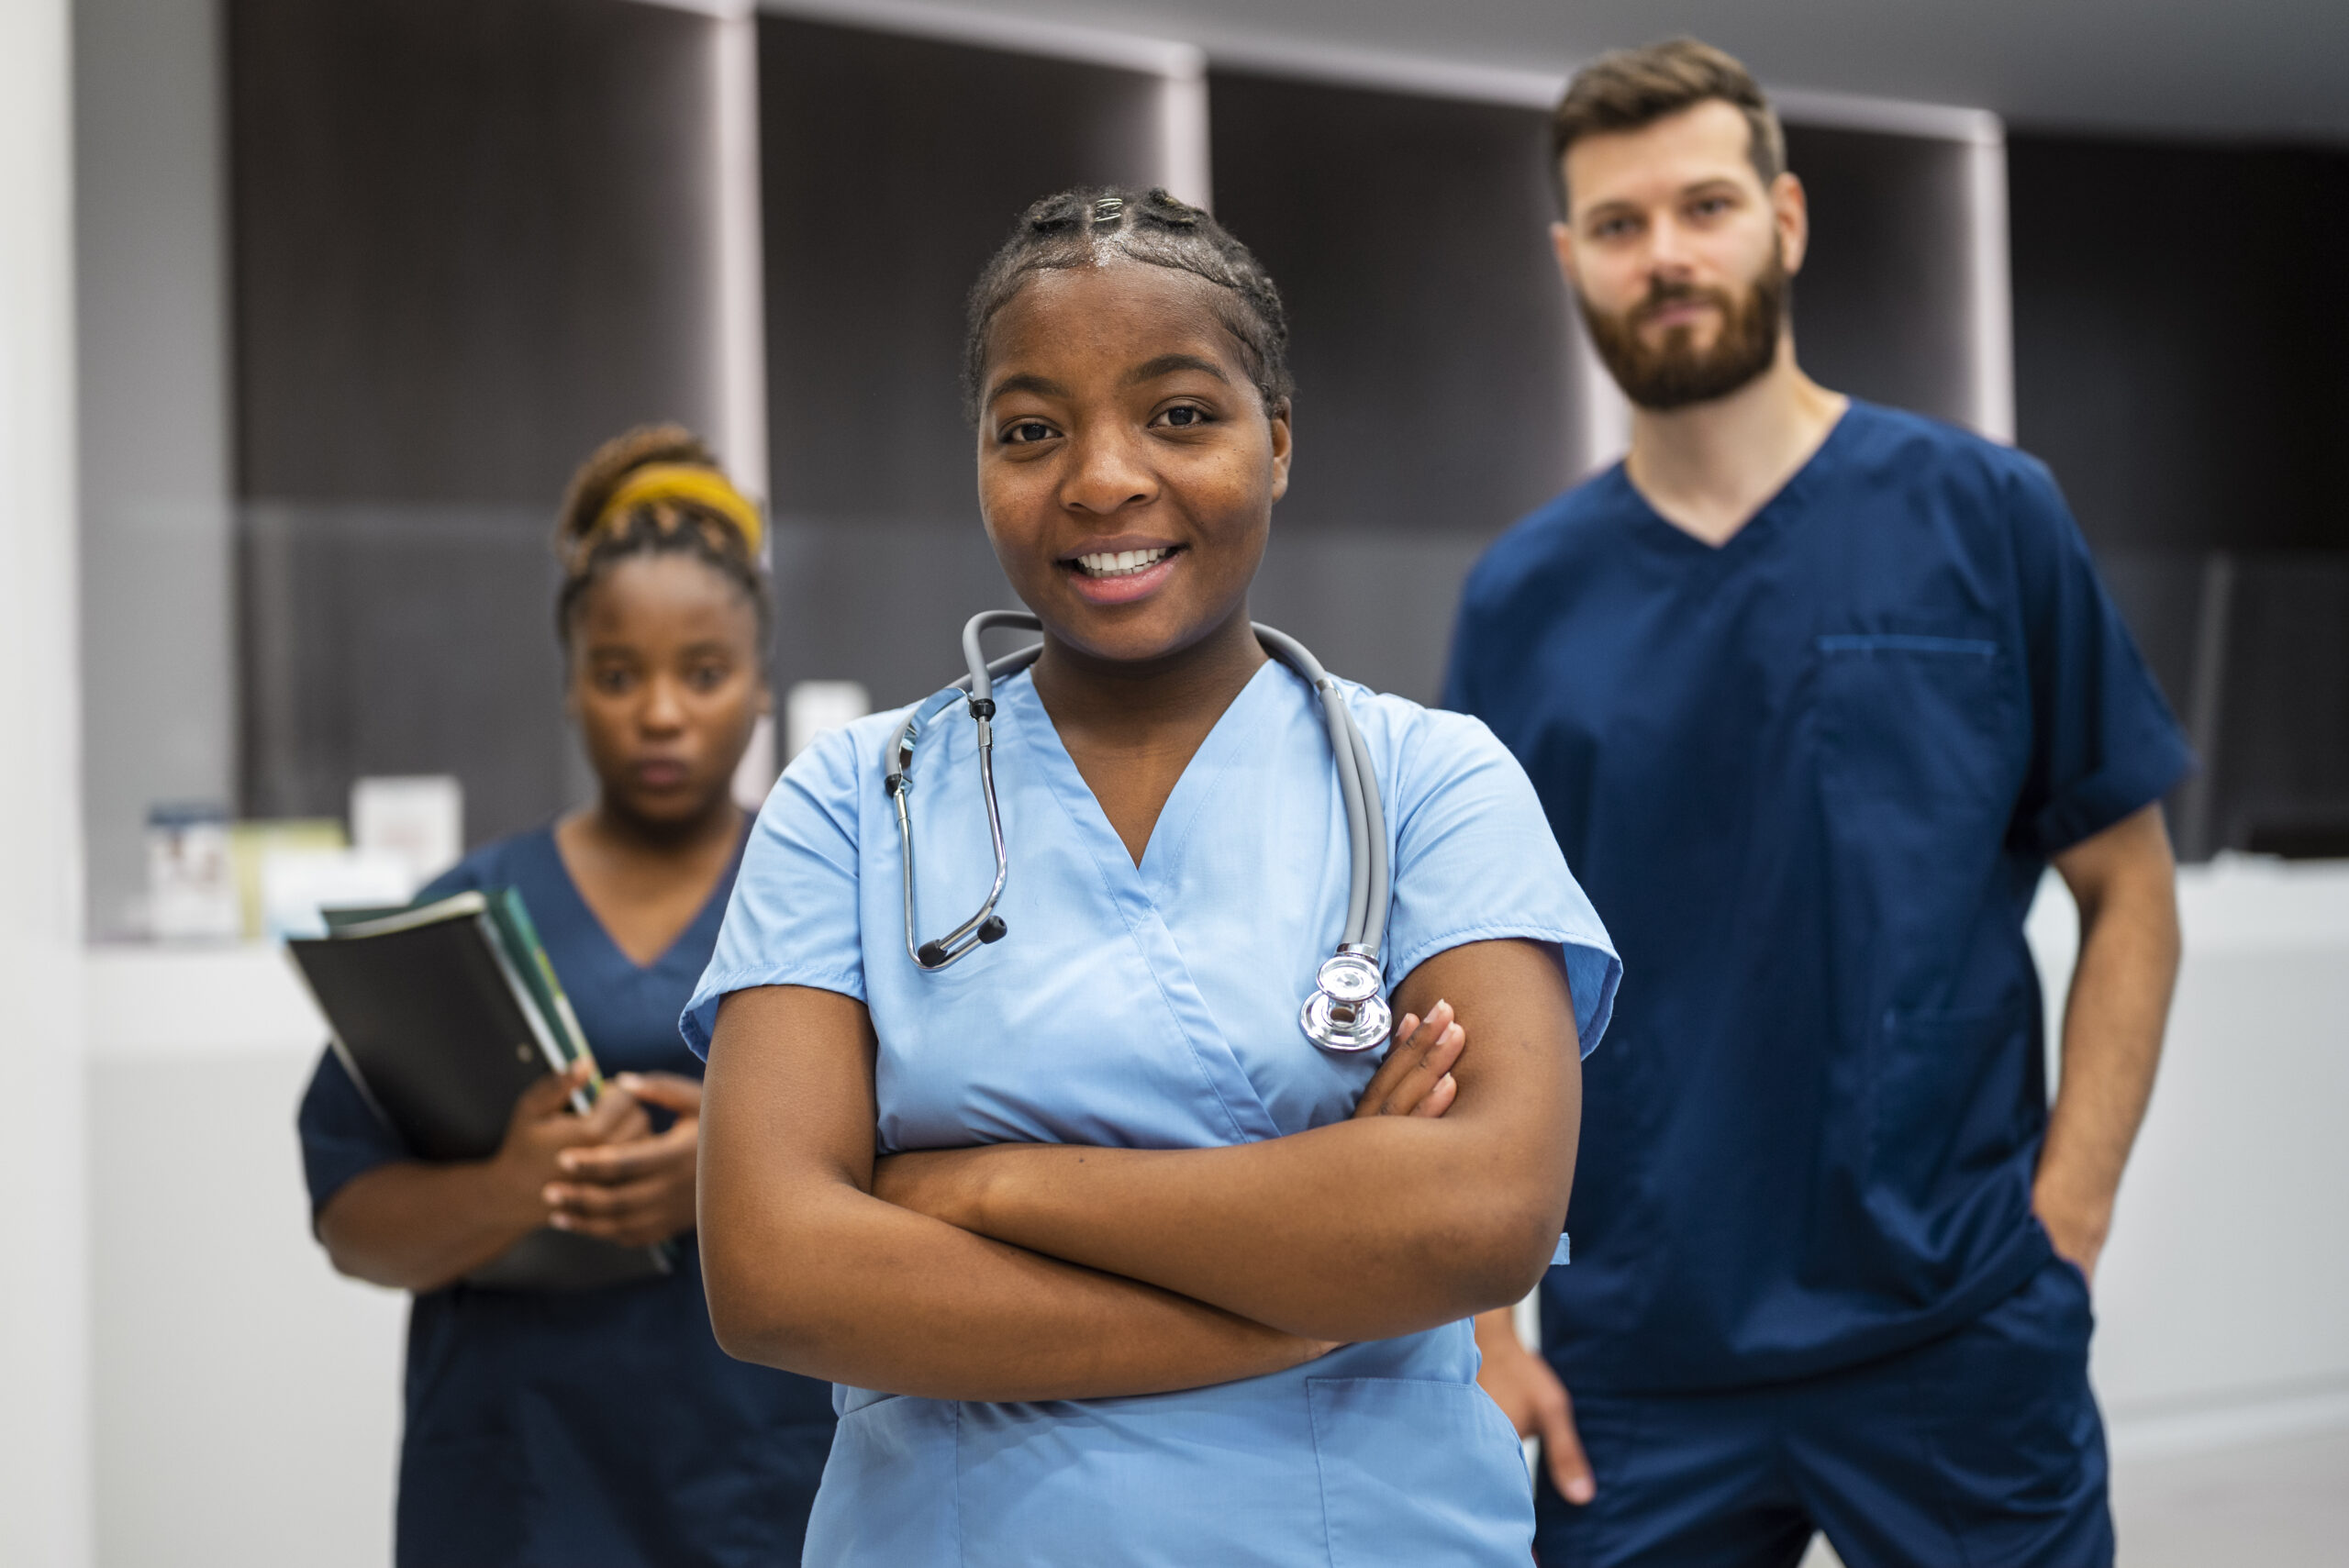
[433, 1016]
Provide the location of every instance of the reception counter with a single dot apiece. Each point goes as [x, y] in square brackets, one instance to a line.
[247, 1399]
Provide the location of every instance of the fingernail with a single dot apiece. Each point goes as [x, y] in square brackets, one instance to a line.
[567, 1163]
[560, 1221]
[550, 1194]
[1580, 1490]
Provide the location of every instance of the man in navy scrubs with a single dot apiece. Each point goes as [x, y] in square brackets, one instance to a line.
[1814, 693]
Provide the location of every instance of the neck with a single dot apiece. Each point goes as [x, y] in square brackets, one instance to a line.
[1134, 702]
[719, 821]
[1708, 467]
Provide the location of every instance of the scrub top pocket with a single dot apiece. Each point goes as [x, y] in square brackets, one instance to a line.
[1907, 718]
[1374, 1438]
[1922, 744]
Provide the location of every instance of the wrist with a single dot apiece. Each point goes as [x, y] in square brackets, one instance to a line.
[2075, 1218]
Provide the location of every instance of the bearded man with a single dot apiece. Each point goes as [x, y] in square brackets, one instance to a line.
[1814, 693]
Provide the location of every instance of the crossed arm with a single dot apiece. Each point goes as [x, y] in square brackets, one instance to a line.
[1036, 1272]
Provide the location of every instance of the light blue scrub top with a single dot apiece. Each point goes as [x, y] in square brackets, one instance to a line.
[1154, 1007]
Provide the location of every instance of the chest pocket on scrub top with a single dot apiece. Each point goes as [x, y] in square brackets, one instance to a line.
[1908, 720]
[1920, 757]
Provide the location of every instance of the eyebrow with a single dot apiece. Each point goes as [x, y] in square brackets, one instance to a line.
[1167, 364]
[1042, 386]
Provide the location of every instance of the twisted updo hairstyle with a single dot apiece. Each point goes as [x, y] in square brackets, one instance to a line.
[672, 499]
[1092, 224]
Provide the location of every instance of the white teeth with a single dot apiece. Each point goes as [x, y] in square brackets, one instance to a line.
[1119, 562]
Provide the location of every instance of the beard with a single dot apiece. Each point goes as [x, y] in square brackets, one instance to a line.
[1674, 373]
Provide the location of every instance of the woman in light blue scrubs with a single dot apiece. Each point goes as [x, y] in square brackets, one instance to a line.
[1107, 1260]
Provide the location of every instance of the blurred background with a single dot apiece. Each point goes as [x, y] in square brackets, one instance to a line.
[310, 308]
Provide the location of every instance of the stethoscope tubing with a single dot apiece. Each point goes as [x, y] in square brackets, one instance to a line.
[1369, 885]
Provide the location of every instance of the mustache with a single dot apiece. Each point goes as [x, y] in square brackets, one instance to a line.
[1662, 295]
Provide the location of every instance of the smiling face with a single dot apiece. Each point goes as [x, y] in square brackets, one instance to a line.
[665, 684]
[1679, 254]
[1128, 466]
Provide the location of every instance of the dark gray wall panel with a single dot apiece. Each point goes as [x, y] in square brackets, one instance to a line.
[403, 640]
[473, 238]
[2189, 386]
[2190, 392]
[1409, 235]
[1884, 307]
[893, 167]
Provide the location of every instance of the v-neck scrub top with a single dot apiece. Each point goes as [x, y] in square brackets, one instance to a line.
[595, 1428]
[1813, 777]
[1154, 1007]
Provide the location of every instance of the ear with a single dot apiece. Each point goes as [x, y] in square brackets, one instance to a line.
[1790, 215]
[1562, 242]
[1283, 442]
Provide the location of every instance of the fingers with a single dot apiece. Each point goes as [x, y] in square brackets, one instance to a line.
[628, 1160]
[571, 1202]
[1562, 1446]
[1413, 1079]
[612, 1116]
[635, 1215]
[548, 1095]
[670, 1091]
[1441, 1095]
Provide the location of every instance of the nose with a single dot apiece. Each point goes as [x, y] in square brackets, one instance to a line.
[1668, 255]
[1106, 474]
[663, 712]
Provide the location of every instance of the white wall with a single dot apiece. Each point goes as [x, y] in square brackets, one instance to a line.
[247, 1400]
[2220, 1297]
[44, 1430]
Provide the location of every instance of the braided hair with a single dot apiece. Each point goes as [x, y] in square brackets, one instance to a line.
[590, 539]
[1090, 225]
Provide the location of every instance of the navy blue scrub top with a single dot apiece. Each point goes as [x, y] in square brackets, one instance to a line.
[1810, 779]
[598, 1428]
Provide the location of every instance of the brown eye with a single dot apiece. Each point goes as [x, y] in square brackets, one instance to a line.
[1185, 416]
[1026, 432]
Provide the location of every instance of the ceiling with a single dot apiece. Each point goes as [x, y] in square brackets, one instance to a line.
[2261, 70]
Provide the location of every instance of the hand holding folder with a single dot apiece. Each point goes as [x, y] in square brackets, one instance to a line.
[444, 1015]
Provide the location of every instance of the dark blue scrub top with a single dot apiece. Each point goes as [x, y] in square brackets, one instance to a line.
[599, 1428]
[1810, 779]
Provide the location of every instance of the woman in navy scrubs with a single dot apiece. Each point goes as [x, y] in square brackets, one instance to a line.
[596, 1428]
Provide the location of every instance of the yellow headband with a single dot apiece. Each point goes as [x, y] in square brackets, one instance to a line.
[704, 487]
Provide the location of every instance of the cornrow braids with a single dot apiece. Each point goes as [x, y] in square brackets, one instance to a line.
[590, 544]
[1089, 224]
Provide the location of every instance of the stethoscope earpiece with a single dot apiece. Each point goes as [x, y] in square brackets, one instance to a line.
[1347, 1011]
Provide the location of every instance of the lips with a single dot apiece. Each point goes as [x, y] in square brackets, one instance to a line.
[1120, 571]
[662, 772]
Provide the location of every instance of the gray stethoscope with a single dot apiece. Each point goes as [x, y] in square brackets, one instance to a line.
[1348, 1008]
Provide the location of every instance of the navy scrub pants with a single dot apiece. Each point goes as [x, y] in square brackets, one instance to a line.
[1982, 1449]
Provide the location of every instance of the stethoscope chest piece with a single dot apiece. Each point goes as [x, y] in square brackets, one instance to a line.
[1346, 1011]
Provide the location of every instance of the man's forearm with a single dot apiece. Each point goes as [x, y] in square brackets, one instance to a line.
[2113, 1022]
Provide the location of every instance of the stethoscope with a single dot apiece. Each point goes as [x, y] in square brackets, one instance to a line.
[1348, 1008]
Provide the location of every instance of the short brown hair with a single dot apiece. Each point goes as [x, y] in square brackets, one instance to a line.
[1636, 87]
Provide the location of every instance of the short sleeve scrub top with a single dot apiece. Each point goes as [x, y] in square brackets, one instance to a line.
[594, 1428]
[1154, 1007]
